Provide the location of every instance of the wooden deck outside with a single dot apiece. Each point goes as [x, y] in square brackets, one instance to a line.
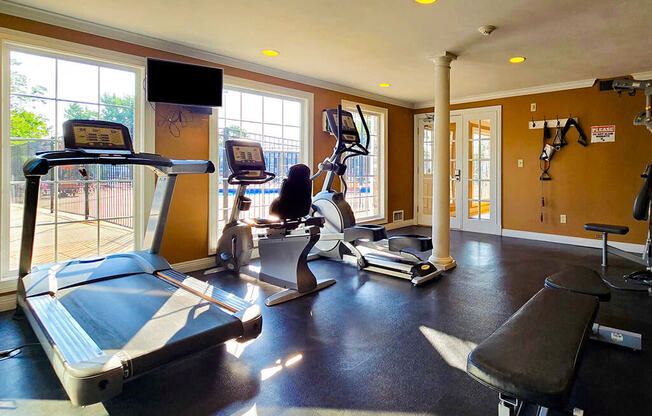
[75, 240]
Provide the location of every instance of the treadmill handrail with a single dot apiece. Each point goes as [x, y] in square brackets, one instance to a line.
[41, 164]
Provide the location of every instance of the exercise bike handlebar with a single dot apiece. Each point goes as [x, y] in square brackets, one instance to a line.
[245, 177]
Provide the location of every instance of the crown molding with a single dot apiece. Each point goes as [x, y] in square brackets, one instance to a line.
[642, 75]
[56, 19]
[584, 83]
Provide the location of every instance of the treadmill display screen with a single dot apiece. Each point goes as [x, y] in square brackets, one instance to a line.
[247, 155]
[88, 137]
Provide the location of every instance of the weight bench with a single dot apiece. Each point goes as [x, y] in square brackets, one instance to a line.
[607, 229]
[586, 281]
[534, 356]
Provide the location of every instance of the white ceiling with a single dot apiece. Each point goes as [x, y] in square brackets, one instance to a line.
[361, 43]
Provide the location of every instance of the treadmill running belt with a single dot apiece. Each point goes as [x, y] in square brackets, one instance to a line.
[147, 320]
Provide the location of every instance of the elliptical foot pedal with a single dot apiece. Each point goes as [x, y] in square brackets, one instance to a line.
[424, 272]
[289, 294]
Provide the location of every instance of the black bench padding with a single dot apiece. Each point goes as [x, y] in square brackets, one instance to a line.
[580, 280]
[534, 355]
[606, 228]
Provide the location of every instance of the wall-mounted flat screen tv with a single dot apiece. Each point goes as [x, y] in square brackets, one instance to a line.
[184, 84]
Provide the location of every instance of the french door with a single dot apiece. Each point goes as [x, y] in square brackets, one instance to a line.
[474, 169]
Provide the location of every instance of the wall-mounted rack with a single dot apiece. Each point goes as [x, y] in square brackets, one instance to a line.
[552, 123]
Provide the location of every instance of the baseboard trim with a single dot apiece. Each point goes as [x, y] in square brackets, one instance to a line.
[576, 241]
[400, 224]
[194, 265]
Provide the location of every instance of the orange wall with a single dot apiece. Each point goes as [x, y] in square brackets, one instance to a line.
[186, 235]
[597, 183]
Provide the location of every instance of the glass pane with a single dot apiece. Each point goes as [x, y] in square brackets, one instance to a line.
[232, 104]
[76, 240]
[116, 173]
[452, 190]
[484, 210]
[485, 191]
[122, 115]
[69, 111]
[43, 246]
[484, 171]
[21, 150]
[74, 173]
[252, 128]
[77, 201]
[474, 170]
[77, 81]
[116, 200]
[273, 110]
[453, 131]
[473, 130]
[272, 130]
[474, 149]
[31, 118]
[427, 167]
[453, 167]
[473, 209]
[292, 133]
[485, 149]
[252, 107]
[116, 236]
[453, 151]
[117, 86]
[453, 209]
[291, 113]
[32, 74]
[486, 129]
[474, 190]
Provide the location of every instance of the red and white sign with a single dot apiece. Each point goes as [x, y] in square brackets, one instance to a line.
[602, 134]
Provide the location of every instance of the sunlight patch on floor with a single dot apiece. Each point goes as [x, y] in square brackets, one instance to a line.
[452, 349]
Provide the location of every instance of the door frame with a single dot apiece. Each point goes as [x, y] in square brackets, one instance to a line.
[498, 165]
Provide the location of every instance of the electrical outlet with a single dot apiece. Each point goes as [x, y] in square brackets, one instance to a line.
[520, 163]
[533, 107]
[562, 218]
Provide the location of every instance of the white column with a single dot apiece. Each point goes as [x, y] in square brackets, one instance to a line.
[441, 170]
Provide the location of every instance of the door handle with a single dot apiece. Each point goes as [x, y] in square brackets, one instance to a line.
[458, 175]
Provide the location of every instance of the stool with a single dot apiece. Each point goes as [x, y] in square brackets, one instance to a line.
[606, 229]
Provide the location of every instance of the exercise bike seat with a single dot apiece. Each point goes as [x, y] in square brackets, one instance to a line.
[415, 242]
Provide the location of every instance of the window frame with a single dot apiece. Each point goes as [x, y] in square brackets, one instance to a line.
[305, 156]
[383, 114]
[144, 125]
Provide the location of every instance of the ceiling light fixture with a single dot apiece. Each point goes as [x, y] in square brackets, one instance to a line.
[425, 1]
[384, 84]
[517, 59]
[270, 52]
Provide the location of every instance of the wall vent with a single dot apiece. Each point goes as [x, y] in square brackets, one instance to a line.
[398, 216]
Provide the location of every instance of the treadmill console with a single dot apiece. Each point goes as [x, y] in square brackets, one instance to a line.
[349, 130]
[245, 158]
[97, 137]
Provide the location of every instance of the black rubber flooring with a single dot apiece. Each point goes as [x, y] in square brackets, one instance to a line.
[370, 344]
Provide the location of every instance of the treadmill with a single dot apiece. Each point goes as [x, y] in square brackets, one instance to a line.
[103, 321]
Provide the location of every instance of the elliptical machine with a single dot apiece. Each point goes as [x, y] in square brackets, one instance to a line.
[285, 242]
[367, 246]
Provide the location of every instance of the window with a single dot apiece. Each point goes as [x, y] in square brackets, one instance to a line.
[77, 216]
[277, 118]
[366, 175]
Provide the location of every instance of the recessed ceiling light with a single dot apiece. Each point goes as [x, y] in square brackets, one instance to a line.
[425, 1]
[270, 52]
[384, 84]
[517, 59]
